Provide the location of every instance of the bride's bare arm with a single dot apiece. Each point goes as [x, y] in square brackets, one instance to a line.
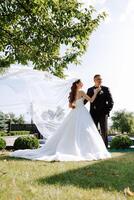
[91, 99]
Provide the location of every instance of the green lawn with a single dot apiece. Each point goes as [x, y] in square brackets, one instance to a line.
[37, 180]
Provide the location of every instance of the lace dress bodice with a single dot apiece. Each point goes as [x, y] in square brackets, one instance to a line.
[79, 103]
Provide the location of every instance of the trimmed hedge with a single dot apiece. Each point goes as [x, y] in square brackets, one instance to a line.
[121, 142]
[2, 144]
[3, 133]
[26, 142]
[11, 133]
[19, 133]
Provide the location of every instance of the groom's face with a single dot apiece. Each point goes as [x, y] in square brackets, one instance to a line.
[98, 80]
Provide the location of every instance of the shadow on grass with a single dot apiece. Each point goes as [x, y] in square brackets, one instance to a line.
[114, 174]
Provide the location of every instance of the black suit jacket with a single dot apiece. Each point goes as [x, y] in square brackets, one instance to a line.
[103, 103]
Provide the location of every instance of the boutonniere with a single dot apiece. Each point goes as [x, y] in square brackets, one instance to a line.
[101, 92]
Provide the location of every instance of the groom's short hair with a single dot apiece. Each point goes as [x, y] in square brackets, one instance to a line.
[97, 75]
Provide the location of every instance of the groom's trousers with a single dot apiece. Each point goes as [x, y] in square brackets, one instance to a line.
[102, 125]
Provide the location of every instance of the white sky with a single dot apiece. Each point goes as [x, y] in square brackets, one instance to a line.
[111, 52]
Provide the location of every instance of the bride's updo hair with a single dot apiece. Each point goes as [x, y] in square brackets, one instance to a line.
[72, 94]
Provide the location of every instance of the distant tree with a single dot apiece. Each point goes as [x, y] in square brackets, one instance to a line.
[21, 119]
[123, 121]
[10, 118]
[37, 30]
[3, 122]
[16, 120]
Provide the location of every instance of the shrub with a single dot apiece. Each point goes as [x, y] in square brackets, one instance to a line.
[121, 142]
[26, 142]
[2, 143]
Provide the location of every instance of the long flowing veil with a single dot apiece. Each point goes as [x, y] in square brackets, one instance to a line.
[49, 104]
[46, 94]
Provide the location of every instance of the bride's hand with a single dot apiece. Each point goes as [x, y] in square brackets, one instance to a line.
[71, 105]
[97, 90]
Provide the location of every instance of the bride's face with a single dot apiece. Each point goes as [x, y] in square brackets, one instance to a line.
[79, 85]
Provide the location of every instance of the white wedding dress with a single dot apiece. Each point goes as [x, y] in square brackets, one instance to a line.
[77, 139]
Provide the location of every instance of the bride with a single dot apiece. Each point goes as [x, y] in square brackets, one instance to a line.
[77, 138]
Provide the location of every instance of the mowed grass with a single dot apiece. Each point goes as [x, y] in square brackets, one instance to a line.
[22, 179]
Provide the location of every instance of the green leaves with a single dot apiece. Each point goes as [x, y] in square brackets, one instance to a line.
[36, 30]
[123, 121]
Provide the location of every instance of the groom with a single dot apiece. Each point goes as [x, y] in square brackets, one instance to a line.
[101, 107]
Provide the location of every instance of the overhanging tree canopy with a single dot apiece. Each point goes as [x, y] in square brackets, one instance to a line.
[36, 30]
